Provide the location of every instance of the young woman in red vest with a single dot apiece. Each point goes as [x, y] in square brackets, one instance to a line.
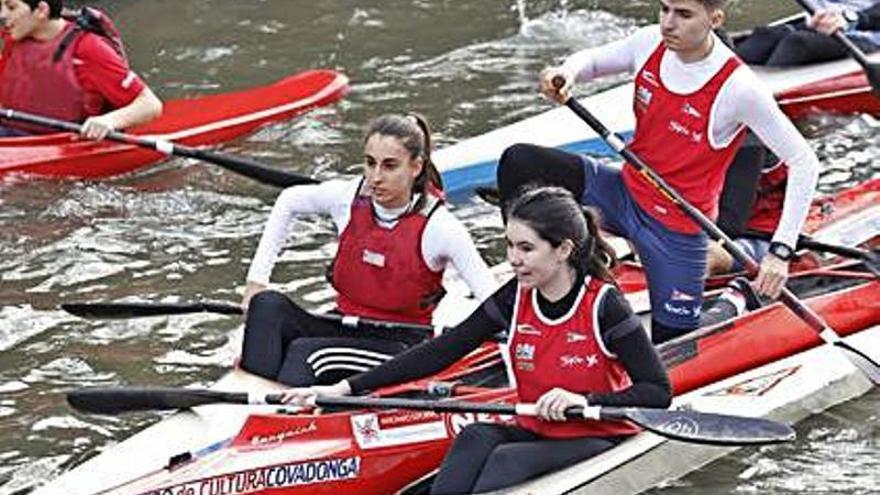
[572, 341]
[396, 239]
[50, 67]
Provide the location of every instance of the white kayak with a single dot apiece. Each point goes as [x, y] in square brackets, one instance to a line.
[833, 87]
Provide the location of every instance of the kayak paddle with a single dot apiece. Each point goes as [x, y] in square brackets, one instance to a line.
[857, 357]
[112, 310]
[686, 426]
[243, 166]
[872, 69]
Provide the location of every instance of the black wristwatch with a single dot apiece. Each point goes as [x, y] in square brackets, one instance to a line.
[852, 19]
[781, 251]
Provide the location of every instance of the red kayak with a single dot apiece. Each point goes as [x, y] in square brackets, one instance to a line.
[259, 449]
[827, 216]
[243, 449]
[200, 121]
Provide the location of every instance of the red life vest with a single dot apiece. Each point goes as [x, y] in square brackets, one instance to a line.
[566, 353]
[38, 76]
[32, 82]
[672, 136]
[767, 210]
[381, 273]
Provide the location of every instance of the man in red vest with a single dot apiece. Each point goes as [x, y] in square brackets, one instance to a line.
[51, 67]
[693, 100]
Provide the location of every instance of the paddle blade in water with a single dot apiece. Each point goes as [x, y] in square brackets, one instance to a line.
[708, 428]
[141, 309]
[124, 310]
[120, 400]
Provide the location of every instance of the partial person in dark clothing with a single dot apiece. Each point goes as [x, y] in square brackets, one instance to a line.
[572, 341]
[810, 41]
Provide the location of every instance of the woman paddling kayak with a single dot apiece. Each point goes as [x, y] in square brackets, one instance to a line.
[572, 341]
[396, 240]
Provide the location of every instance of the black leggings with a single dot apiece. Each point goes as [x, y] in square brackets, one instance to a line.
[488, 457]
[792, 45]
[286, 343]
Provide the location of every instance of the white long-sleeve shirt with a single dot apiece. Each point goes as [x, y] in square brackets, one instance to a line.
[445, 240]
[742, 100]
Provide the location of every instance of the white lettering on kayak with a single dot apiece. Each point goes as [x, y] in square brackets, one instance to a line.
[268, 478]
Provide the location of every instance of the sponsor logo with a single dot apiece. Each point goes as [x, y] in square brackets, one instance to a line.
[678, 295]
[525, 366]
[269, 478]
[679, 310]
[688, 109]
[643, 96]
[526, 329]
[679, 128]
[373, 258]
[525, 352]
[574, 337]
[592, 360]
[366, 429]
[571, 361]
[650, 78]
[661, 209]
[757, 386]
[284, 435]
[372, 431]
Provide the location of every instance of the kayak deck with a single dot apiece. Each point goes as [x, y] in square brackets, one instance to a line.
[833, 87]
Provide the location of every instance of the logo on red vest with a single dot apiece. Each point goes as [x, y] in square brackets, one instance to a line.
[643, 97]
[574, 337]
[524, 356]
[526, 329]
[572, 361]
[649, 77]
[679, 128]
[688, 109]
[375, 259]
[525, 352]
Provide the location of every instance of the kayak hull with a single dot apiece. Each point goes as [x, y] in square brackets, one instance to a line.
[201, 121]
[223, 447]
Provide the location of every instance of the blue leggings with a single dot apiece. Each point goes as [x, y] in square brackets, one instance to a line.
[675, 263]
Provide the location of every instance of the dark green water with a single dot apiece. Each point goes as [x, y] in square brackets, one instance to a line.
[187, 230]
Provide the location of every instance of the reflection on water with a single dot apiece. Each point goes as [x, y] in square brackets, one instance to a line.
[185, 231]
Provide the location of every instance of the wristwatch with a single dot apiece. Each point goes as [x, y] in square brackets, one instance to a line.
[851, 17]
[781, 251]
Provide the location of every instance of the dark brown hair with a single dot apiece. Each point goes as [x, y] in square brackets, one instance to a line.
[415, 135]
[554, 214]
[55, 6]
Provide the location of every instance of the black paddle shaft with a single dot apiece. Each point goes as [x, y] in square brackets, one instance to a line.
[858, 358]
[243, 166]
[689, 426]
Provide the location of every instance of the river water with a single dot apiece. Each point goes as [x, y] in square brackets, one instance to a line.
[186, 230]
